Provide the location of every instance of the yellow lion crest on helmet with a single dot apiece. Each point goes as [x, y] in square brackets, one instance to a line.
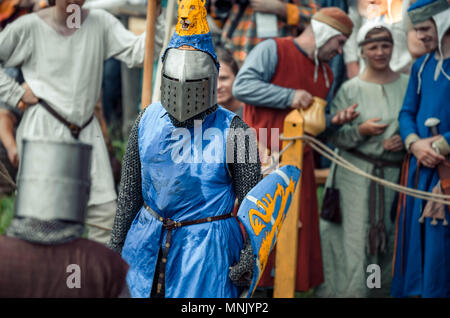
[191, 17]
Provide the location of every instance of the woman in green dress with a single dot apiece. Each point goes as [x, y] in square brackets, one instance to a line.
[371, 142]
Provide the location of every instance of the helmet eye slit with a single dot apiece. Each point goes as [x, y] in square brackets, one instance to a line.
[196, 80]
[170, 78]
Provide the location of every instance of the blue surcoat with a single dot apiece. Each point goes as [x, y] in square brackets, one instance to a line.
[184, 178]
[422, 256]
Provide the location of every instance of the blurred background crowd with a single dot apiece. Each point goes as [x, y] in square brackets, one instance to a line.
[360, 76]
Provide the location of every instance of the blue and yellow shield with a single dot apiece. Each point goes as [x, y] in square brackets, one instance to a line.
[262, 213]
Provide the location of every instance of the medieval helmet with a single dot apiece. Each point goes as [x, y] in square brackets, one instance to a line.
[189, 83]
[189, 76]
[54, 180]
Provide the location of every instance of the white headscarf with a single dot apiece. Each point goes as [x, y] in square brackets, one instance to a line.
[442, 21]
[370, 25]
[322, 34]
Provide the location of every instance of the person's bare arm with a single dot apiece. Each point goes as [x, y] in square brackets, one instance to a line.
[7, 122]
[16, 48]
[269, 6]
[28, 98]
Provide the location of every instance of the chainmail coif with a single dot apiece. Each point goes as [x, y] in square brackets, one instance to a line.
[44, 232]
[244, 175]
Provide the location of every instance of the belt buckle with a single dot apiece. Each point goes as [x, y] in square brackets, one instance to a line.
[75, 130]
[170, 224]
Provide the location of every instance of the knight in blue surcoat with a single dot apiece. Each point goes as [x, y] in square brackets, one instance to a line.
[187, 161]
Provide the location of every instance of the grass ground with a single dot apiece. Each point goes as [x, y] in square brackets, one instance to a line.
[6, 212]
[119, 144]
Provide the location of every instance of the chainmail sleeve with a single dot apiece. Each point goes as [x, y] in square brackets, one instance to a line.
[130, 192]
[245, 169]
[245, 166]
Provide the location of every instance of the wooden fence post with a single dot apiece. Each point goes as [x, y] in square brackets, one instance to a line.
[171, 21]
[149, 54]
[287, 243]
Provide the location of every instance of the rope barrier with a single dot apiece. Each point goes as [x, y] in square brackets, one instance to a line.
[275, 162]
[331, 155]
[334, 157]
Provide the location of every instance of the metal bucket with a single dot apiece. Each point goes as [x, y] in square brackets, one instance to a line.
[54, 180]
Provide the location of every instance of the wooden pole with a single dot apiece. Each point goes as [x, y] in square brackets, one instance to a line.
[149, 54]
[171, 20]
[287, 243]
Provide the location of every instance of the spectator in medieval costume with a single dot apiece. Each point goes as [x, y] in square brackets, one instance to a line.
[415, 47]
[281, 75]
[11, 10]
[8, 148]
[62, 68]
[227, 74]
[422, 251]
[337, 63]
[174, 224]
[372, 143]
[391, 12]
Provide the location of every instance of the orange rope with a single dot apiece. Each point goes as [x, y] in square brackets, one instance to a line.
[401, 204]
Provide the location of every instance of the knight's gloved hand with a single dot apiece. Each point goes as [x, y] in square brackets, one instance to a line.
[241, 273]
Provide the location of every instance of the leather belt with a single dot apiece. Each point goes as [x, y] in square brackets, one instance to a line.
[377, 238]
[75, 130]
[170, 225]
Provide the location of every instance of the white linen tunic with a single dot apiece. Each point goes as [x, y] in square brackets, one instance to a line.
[66, 72]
